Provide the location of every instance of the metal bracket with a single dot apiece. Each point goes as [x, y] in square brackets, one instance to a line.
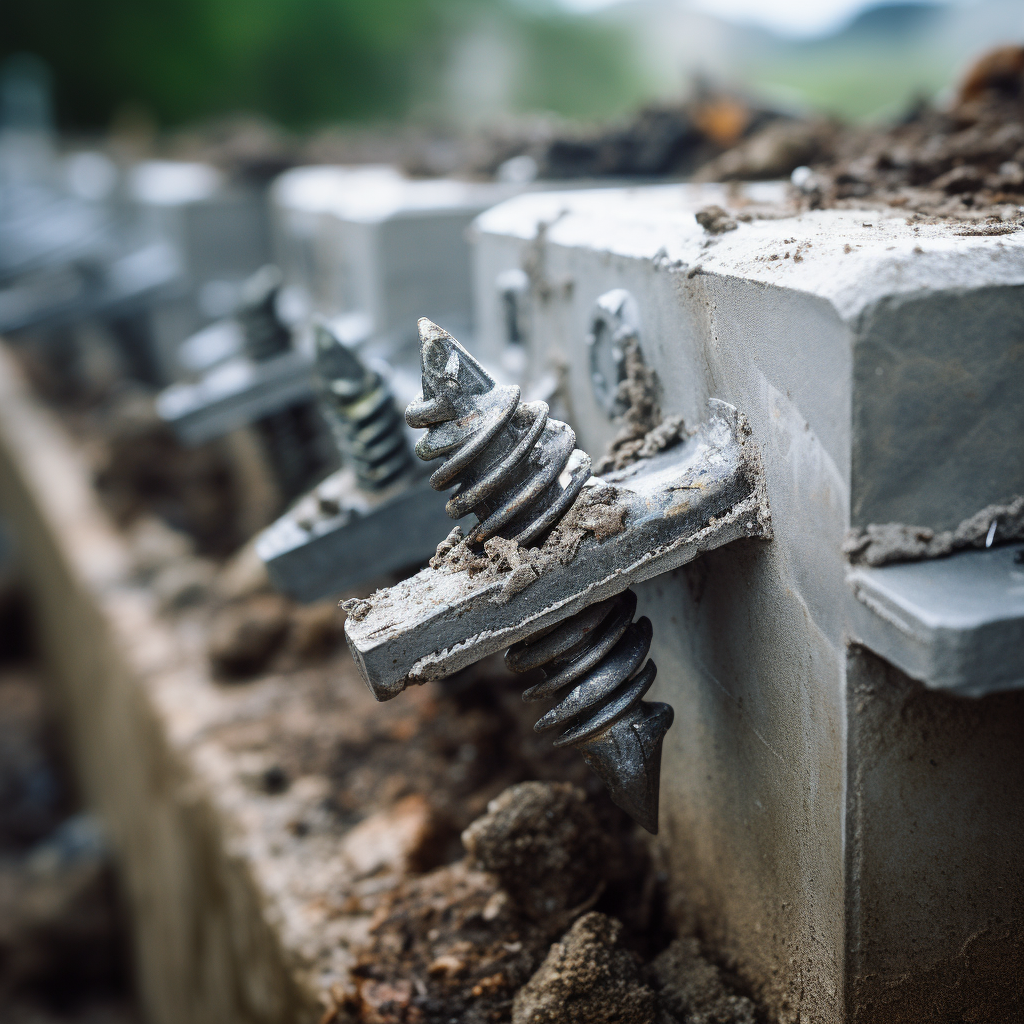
[341, 535]
[376, 515]
[955, 623]
[689, 499]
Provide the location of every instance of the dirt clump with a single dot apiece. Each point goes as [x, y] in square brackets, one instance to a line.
[459, 942]
[657, 141]
[597, 511]
[886, 543]
[774, 152]
[694, 990]
[714, 220]
[141, 469]
[587, 978]
[243, 637]
[965, 162]
[644, 431]
[545, 844]
[448, 945]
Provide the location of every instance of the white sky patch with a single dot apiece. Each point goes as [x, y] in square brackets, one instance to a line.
[787, 17]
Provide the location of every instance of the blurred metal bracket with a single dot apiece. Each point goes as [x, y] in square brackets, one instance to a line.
[341, 535]
[236, 393]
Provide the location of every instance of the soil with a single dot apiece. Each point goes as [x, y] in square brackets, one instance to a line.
[461, 928]
[894, 542]
[964, 163]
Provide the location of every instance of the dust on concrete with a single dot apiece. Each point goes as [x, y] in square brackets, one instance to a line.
[884, 544]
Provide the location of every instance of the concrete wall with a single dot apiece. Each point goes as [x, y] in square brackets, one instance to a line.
[934, 924]
[206, 947]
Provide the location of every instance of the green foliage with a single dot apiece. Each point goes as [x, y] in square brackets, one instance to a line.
[302, 62]
[577, 68]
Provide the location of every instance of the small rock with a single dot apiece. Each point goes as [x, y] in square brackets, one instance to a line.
[408, 837]
[693, 990]
[715, 220]
[544, 843]
[587, 978]
[244, 637]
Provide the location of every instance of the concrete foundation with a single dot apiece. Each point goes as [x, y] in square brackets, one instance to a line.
[368, 241]
[237, 914]
[878, 361]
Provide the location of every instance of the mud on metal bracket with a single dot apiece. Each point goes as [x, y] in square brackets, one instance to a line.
[692, 498]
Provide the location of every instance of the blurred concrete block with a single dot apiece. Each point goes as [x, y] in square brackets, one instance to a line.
[220, 229]
[368, 240]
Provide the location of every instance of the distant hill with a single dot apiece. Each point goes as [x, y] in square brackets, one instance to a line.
[871, 67]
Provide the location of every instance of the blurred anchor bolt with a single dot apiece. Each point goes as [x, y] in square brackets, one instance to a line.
[377, 513]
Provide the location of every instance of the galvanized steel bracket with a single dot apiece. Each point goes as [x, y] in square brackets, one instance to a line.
[696, 496]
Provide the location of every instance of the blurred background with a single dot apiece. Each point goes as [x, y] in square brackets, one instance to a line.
[137, 70]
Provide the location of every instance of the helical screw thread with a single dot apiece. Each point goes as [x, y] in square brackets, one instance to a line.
[289, 435]
[361, 411]
[512, 465]
[265, 336]
[593, 665]
[519, 471]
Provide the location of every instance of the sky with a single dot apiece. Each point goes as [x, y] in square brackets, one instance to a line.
[787, 17]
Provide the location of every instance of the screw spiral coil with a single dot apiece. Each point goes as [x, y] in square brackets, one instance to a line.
[592, 665]
[289, 435]
[519, 471]
[361, 411]
[512, 465]
[265, 336]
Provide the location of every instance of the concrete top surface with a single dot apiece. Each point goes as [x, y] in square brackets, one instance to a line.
[373, 193]
[173, 182]
[955, 623]
[851, 258]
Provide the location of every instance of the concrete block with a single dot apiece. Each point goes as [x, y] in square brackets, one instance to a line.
[878, 361]
[369, 241]
[221, 232]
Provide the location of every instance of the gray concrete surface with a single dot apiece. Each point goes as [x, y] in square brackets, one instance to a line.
[878, 362]
[372, 242]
